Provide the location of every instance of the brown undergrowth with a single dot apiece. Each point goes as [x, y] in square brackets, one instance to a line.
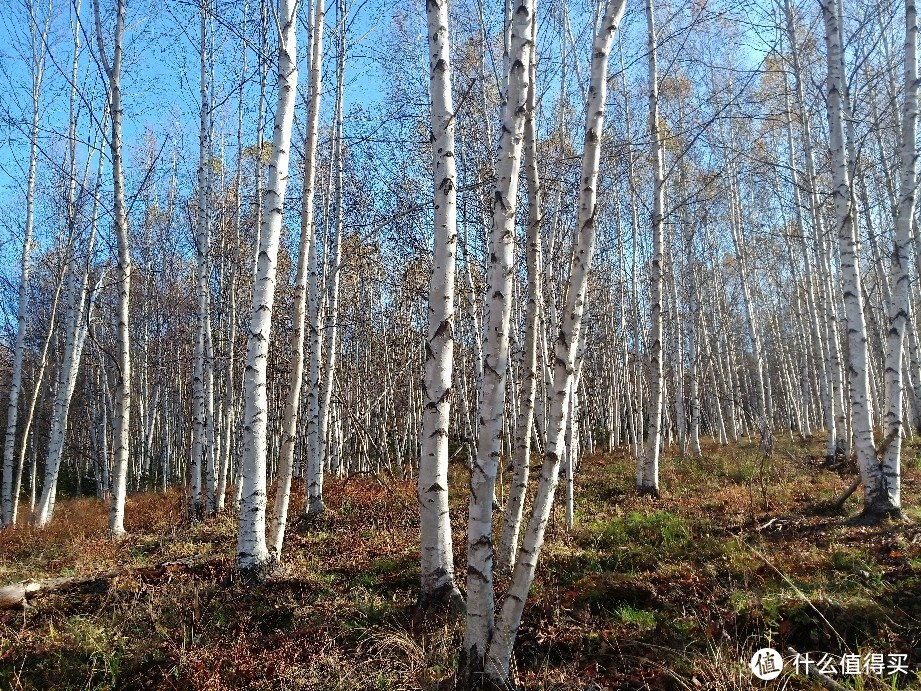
[668, 593]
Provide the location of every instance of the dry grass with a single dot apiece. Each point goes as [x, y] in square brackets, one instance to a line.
[672, 593]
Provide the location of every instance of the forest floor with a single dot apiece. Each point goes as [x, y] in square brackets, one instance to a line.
[668, 593]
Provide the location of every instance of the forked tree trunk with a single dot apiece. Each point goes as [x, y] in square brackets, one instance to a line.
[305, 251]
[565, 352]
[480, 593]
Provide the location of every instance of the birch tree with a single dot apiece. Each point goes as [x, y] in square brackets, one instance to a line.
[900, 273]
[564, 352]
[76, 329]
[492, 398]
[508, 544]
[253, 557]
[202, 461]
[437, 558]
[648, 467]
[113, 72]
[38, 34]
[323, 327]
[874, 481]
[306, 251]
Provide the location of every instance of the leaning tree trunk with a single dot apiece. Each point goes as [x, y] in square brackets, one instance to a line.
[71, 222]
[901, 269]
[75, 337]
[253, 557]
[437, 553]
[565, 351]
[873, 480]
[75, 332]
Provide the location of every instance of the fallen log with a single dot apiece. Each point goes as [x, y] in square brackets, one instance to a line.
[19, 594]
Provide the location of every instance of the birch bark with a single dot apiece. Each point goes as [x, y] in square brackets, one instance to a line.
[201, 449]
[306, 249]
[647, 480]
[67, 379]
[508, 543]
[121, 439]
[39, 37]
[253, 557]
[437, 554]
[873, 480]
[480, 592]
[565, 351]
[74, 339]
[324, 330]
[899, 307]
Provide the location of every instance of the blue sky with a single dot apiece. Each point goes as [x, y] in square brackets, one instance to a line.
[161, 82]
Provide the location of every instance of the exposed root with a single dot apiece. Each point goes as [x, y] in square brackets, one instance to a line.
[448, 598]
[649, 491]
[259, 572]
[872, 517]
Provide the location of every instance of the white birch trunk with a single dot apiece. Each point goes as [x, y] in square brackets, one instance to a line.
[75, 333]
[39, 42]
[75, 337]
[565, 351]
[508, 543]
[899, 307]
[480, 592]
[253, 557]
[306, 249]
[324, 331]
[647, 480]
[230, 406]
[873, 480]
[437, 553]
[123, 282]
[200, 448]
[30, 414]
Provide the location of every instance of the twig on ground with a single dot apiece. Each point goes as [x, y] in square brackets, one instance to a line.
[814, 672]
[798, 592]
